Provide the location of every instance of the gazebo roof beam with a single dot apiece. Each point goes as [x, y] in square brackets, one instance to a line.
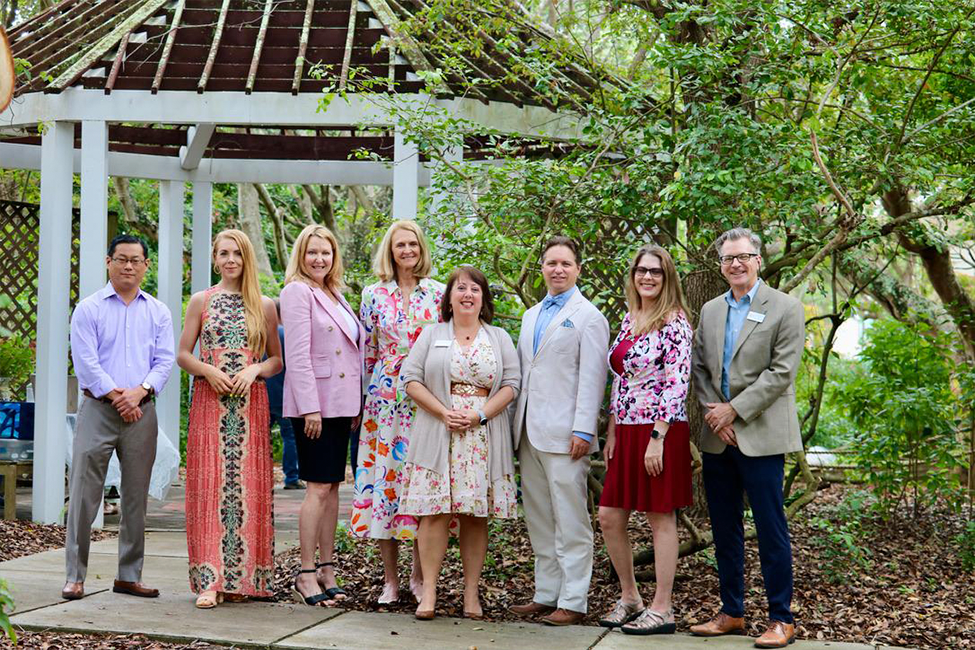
[197, 139]
[404, 41]
[96, 52]
[214, 46]
[117, 64]
[302, 47]
[40, 19]
[349, 39]
[500, 65]
[50, 29]
[168, 47]
[258, 47]
[94, 23]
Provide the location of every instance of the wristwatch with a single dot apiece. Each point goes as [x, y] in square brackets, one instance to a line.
[147, 387]
[483, 417]
[656, 435]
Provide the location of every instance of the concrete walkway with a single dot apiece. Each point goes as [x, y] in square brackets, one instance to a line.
[36, 583]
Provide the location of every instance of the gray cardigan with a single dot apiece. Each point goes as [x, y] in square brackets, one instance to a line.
[430, 365]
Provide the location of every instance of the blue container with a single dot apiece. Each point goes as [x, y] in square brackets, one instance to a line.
[16, 420]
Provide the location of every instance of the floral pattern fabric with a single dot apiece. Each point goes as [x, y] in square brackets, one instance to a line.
[229, 482]
[656, 373]
[467, 490]
[391, 329]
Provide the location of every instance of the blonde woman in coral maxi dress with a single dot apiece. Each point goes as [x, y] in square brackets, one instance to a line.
[393, 312]
[229, 481]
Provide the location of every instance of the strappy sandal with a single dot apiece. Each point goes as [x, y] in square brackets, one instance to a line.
[621, 614]
[209, 599]
[333, 593]
[315, 600]
[651, 622]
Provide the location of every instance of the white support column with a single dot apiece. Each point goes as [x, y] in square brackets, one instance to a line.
[202, 234]
[94, 218]
[453, 155]
[94, 206]
[171, 194]
[406, 175]
[50, 437]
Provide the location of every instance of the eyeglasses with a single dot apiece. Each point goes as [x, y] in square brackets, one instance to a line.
[641, 271]
[136, 262]
[744, 258]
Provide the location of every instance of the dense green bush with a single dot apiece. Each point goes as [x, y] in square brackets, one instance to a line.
[901, 402]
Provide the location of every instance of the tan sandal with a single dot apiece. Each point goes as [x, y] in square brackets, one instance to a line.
[651, 622]
[235, 598]
[209, 599]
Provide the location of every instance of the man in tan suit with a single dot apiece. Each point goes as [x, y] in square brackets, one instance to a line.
[747, 350]
[563, 345]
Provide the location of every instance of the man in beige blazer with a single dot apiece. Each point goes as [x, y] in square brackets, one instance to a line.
[747, 350]
[563, 345]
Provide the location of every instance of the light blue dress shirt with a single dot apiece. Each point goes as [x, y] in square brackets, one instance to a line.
[551, 306]
[737, 312]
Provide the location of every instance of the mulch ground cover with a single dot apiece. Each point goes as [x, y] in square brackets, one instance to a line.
[60, 641]
[857, 578]
[898, 582]
[22, 538]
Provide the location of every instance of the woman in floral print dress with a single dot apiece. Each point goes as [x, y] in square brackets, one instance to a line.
[229, 516]
[393, 312]
[647, 451]
[463, 374]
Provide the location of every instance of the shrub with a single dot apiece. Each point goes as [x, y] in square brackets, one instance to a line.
[6, 606]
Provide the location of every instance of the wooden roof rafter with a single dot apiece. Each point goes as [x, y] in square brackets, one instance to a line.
[349, 40]
[117, 63]
[168, 47]
[214, 46]
[302, 47]
[258, 47]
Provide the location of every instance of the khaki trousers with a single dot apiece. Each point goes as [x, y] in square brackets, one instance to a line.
[100, 432]
[555, 496]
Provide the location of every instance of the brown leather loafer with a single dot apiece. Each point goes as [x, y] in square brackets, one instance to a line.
[531, 609]
[562, 617]
[778, 635]
[134, 589]
[720, 625]
[73, 591]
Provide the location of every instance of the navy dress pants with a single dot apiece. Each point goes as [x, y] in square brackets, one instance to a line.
[727, 477]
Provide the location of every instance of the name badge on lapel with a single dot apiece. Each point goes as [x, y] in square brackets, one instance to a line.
[755, 316]
[442, 343]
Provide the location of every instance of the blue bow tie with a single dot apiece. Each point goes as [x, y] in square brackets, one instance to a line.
[558, 301]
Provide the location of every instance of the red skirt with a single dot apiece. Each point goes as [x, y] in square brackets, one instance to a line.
[630, 487]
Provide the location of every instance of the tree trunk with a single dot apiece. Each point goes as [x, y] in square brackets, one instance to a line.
[249, 213]
[940, 270]
[323, 205]
[304, 203]
[280, 244]
[699, 287]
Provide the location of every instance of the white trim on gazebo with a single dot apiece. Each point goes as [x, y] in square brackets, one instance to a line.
[58, 161]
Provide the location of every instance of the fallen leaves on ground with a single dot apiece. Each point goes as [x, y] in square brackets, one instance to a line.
[22, 538]
[914, 592]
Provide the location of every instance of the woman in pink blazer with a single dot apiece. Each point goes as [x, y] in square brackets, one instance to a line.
[322, 396]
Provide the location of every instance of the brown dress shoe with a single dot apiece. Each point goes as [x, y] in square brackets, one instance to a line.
[778, 635]
[531, 609]
[73, 591]
[720, 625]
[562, 617]
[134, 589]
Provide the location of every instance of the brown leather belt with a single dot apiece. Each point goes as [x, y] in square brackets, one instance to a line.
[87, 393]
[468, 390]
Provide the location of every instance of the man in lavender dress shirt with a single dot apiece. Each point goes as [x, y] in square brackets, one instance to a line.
[122, 346]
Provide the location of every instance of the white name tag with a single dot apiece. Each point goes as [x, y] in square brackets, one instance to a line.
[755, 316]
[443, 343]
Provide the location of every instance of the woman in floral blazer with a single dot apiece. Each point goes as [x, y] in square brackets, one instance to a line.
[648, 457]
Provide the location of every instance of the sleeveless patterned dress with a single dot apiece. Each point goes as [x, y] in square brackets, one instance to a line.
[229, 482]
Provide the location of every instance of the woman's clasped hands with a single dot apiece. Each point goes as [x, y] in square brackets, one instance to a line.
[458, 420]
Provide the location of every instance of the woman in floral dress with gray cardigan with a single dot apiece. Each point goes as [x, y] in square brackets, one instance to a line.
[462, 373]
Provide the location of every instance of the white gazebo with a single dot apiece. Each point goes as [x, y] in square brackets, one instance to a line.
[215, 91]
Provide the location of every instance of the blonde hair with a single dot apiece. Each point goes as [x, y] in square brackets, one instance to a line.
[668, 302]
[383, 264]
[250, 290]
[296, 265]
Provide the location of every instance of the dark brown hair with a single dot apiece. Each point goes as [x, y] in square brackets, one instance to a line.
[487, 302]
[562, 240]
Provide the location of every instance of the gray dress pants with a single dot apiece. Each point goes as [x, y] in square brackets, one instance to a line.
[101, 431]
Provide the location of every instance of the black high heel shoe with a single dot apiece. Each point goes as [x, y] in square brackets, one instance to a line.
[331, 592]
[315, 600]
